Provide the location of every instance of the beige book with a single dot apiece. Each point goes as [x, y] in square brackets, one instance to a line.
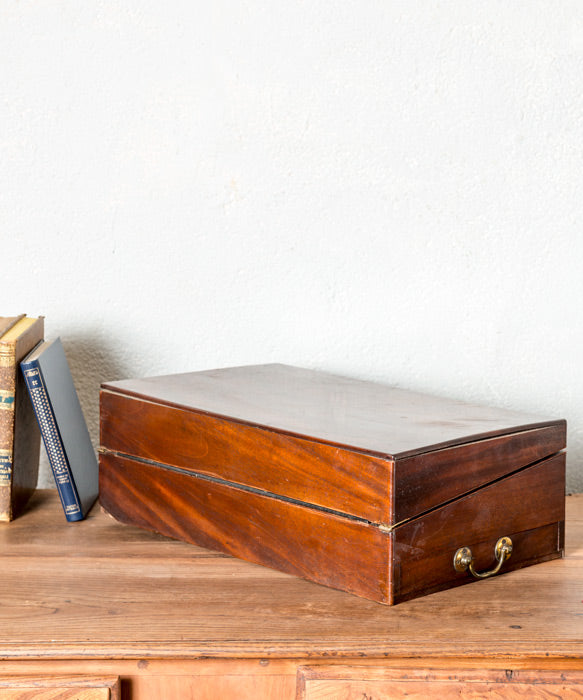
[19, 432]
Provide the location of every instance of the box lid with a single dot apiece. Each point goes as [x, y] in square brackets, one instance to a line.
[434, 449]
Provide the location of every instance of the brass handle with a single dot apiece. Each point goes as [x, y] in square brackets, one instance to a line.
[464, 558]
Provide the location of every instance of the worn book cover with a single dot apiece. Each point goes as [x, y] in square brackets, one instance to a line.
[19, 433]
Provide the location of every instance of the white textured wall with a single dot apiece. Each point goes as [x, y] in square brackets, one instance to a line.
[389, 190]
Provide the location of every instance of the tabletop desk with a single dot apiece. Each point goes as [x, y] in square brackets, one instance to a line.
[96, 610]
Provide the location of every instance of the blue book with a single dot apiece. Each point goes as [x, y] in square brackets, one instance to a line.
[62, 426]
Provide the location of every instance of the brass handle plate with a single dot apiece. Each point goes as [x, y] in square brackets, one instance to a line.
[464, 560]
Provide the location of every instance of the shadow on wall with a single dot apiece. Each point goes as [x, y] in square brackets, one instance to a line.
[92, 362]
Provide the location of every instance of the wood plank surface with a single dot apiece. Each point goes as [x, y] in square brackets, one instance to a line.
[101, 590]
[55, 694]
[57, 687]
[356, 683]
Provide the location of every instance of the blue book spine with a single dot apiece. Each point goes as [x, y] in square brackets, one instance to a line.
[49, 431]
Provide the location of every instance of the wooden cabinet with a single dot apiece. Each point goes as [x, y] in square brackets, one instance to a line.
[59, 688]
[96, 601]
[358, 683]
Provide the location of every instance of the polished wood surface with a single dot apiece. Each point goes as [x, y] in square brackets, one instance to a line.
[360, 448]
[528, 507]
[424, 481]
[174, 620]
[334, 551]
[170, 464]
[374, 488]
[298, 468]
[352, 413]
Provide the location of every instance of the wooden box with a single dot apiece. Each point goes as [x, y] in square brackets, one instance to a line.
[377, 491]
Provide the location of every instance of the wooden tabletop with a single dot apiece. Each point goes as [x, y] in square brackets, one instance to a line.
[99, 589]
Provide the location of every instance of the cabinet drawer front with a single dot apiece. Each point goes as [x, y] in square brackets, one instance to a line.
[55, 694]
[356, 683]
[59, 688]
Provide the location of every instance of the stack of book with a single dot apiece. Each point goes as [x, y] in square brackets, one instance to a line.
[51, 409]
